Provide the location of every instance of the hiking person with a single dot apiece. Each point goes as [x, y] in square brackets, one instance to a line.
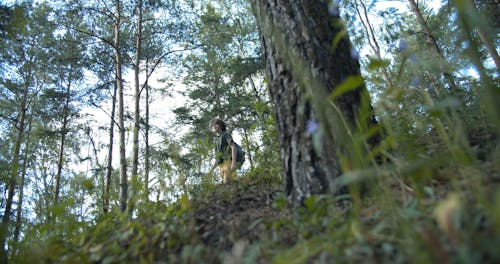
[226, 151]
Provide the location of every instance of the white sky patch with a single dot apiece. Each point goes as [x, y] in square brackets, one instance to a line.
[161, 109]
[404, 5]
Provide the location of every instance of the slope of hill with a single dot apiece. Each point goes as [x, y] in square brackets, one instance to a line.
[451, 215]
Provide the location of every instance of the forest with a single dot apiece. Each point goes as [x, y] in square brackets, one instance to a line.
[370, 131]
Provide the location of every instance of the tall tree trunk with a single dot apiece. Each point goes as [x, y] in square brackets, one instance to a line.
[489, 93]
[489, 47]
[443, 62]
[146, 146]
[121, 114]
[60, 159]
[109, 171]
[308, 54]
[14, 174]
[19, 214]
[137, 98]
[482, 32]
[19, 210]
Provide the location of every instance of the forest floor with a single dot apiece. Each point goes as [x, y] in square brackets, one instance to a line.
[253, 223]
[234, 216]
[451, 215]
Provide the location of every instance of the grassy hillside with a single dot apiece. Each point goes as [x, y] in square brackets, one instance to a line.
[445, 214]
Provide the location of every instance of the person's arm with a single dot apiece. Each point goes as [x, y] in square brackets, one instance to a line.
[216, 156]
[233, 156]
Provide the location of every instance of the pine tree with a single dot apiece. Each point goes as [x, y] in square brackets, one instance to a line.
[319, 97]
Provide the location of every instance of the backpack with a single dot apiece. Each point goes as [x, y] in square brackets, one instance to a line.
[240, 154]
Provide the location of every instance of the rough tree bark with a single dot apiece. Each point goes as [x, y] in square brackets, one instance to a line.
[308, 54]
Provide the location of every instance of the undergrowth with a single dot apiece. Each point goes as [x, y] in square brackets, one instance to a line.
[447, 214]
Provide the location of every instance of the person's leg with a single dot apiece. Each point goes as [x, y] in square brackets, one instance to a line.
[225, 171]
[233, 173]
[222, 171]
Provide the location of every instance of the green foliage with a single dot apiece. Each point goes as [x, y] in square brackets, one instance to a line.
[159, 232]
[401, 221]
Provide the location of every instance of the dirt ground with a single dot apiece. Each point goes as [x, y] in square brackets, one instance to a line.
[233, 215]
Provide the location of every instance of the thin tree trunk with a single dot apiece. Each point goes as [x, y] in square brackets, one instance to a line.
[137, 98]
[307, 56]
[372, 39]
[489, 94]
[121, 114]
[60, 159]
[446, 74]
[490, 47]
[14, 174]
[146, 151]
[19, 211]
[109, 171]
[19, 214]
